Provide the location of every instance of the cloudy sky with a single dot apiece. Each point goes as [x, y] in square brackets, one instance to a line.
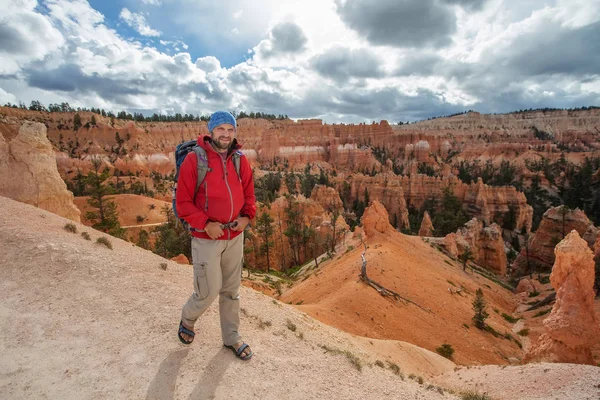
[340, 60]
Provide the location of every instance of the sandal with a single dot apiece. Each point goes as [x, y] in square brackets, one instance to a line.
[183, 329]
[240, 350]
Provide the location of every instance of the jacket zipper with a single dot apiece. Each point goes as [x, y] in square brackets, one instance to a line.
[230, 194]
[206, 196]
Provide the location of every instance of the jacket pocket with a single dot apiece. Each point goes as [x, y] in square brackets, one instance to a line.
[201, 286]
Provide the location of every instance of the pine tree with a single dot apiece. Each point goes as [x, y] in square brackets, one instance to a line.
[450, 215]
[144, 240]
[264, 227]
[479, 307]
[172, 238]
[76, 122]
[294, 231]
[105, 217]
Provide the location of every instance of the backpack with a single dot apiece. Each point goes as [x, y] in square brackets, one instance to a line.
[181, 152]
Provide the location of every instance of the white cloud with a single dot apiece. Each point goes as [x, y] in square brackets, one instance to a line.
[88, 64]
[25, 36]
[208, 64]
[137, 22]
[7, 97]
[152, 2]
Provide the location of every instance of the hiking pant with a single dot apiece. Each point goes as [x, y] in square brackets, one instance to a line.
[217, 271]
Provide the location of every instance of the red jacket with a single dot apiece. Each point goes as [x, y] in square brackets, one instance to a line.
[221, 197]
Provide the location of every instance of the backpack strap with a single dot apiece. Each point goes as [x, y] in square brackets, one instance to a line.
[202, 164]
[236, 158]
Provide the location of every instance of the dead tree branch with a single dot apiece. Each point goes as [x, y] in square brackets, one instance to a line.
[380, 288]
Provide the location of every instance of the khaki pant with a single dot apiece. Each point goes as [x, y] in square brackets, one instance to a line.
[217, 271]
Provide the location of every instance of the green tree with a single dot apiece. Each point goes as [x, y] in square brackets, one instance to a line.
[144, 240]
[76, 122]
[295, 224]
[307, 182]
[563, 212]
[105, 217]
[172, 238]
[93, 121]
[78, 185]
[479, 306]
[290, 182]
[540, 200]
[264, 227]
[450, 215]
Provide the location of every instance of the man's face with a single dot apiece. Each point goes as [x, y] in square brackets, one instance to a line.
[222, 136]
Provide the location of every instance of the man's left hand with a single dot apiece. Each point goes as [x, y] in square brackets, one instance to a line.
[242, 222]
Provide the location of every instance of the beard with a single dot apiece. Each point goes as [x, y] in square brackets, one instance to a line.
[221, 145]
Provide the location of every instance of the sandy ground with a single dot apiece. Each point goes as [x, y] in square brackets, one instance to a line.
[81, 321]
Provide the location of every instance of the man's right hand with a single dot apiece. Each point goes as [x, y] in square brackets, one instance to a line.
[213, 230]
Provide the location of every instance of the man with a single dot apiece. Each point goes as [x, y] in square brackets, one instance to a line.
[223, 207]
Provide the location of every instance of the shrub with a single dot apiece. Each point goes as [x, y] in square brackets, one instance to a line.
[523, 332]
[510, 318]
[380, 364]
[105, 241]
[543, 312]
[140, 218]
[471, 395]
[86, 236]
[534, 294]
[445, 350]
[163, 266]
[354, 360]
[70, 228]
[395, 369]
[264, 324]
[291, 326]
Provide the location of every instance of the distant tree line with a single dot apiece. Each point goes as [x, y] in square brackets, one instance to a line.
[521, 111]
[123, 115]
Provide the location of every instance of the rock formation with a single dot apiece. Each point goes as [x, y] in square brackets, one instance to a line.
[426, 228]
[28, 170]
[528, 286]
[504, 205]
[485, 242]
[327, 197]
[181, 259]
[554, 223]
[384, 188]
[376, 220]
[572, 327]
